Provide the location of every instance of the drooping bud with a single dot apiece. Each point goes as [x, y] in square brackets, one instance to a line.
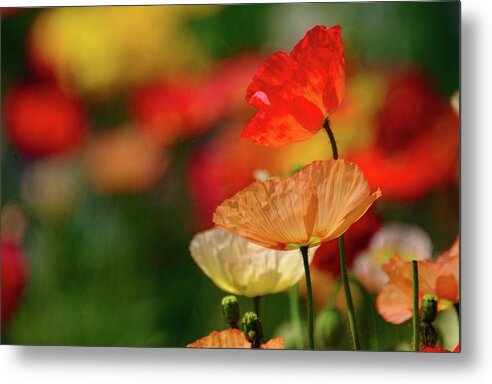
[428, 311]
[230, 309]
[252, 328]
[428, 335]
[330, 327]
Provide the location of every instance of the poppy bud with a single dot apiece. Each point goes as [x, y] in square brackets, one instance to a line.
[252, 328]
[330, 327]
[428, 311]
[428, 335]
[230, 309]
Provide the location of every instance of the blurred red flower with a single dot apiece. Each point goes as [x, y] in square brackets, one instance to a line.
[416, 144]
[294, 93]
[42, 120]
[439, 349]
[13, 277]
[357, 239]
[171, 110]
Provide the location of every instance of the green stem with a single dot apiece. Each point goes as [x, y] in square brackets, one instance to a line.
[305, 259]
[334, 149]
[256, 305]
[415, 285]
[374, 322]
[295, 317]
[348, 294]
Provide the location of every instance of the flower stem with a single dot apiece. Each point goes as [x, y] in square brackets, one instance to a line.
[334, 149]
[256, 305]
[348, 294]
[305, 259]
[295, 318]
[415, 285]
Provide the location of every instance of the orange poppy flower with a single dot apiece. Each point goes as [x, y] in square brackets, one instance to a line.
[439, 278]
[294, 93]
[317, 204]
[232, 338]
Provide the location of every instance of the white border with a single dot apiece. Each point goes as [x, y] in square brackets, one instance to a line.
[133, 365]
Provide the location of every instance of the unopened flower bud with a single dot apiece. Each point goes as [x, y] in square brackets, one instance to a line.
[428, 311]
[330, 327]
[428, 335]
[230, 309]
[252, 328]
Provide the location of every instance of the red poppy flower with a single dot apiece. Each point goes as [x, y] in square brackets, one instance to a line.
[13, 277]
[356, 240]
[294, 93]
[416, 140]
[42, 120]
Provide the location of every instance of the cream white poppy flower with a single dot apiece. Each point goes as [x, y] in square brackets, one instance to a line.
[240, 267]
[408, 241]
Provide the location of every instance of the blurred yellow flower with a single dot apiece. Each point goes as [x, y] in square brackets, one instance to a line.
[232, 338]
[319, 203]
[99, 49]
[240, 267]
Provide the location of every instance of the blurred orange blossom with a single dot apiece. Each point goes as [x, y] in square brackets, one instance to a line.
[124, 161]
[439, 278]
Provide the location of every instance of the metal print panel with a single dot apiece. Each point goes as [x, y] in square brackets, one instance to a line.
[275, 176]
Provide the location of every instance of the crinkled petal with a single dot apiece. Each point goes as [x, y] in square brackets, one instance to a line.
[275, 127]
[229, 338]
[294, 93]
[343, 195]
[273, 74]
[272, 213]
[321, 66]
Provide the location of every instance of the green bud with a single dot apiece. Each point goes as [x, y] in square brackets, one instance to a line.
[230, 309]
[428, 335]
[428, 312]
[252, 328]
[330, 327]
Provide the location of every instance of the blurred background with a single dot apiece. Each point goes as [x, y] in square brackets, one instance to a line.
[120, 136]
